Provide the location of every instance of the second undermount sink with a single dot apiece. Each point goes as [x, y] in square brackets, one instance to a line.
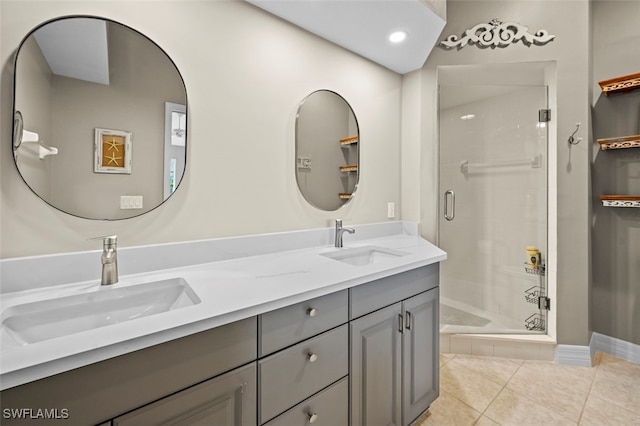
[363, 255]
[47, 319]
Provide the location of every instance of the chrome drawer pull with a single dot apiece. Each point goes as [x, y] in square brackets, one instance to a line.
[312, 312]
[313, 417]
[312, 357]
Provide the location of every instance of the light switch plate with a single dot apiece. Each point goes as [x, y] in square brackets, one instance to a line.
[128, 202]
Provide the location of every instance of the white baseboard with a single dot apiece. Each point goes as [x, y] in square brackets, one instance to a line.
[581, 355]
[616, 347]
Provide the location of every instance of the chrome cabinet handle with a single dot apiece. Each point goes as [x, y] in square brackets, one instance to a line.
[312, 357]
[449, 194]
[409, 322]
[312, 417]
[312, 312]
[400, 323]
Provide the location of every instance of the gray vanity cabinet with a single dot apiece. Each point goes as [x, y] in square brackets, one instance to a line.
[394, 350]
[376, 381]
[226, 400]
[420, 352]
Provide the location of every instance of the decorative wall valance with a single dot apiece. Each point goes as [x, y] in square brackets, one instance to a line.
[497, 34]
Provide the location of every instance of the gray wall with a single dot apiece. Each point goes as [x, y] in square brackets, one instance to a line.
[616, 231]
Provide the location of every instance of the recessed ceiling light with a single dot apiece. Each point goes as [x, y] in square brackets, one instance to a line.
[397, 36]
[468, 117]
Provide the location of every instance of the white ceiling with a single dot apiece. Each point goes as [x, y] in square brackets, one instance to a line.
[76, 48]
[363, 27]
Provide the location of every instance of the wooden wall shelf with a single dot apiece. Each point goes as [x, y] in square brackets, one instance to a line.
[349, 141]
[622, 84]
[345, 196]
[620, 142]
[620, 200]
[349, 168]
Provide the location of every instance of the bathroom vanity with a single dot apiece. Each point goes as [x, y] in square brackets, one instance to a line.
[334, 341]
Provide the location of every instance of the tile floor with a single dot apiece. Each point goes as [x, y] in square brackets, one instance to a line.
[487, 391]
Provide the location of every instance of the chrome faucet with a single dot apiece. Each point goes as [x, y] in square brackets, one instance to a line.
[109, 260]
[340, 230]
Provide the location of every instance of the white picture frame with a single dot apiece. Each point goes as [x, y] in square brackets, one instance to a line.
[112, 151]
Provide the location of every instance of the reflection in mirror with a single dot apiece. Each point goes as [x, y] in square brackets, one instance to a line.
[112, 105]
[327, 150]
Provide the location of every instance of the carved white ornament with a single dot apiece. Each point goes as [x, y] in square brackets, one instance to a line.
[498, 33]
[621, 203]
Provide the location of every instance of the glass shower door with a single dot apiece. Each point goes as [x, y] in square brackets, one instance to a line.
[493, 208]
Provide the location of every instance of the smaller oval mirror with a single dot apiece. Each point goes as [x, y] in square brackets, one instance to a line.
[104, 115]
[327, 150]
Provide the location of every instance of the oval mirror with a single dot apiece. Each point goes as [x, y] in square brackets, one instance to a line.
[327, 150]
[104, 118]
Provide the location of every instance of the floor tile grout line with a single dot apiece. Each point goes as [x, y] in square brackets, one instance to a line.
[498, 394]
[586, 401]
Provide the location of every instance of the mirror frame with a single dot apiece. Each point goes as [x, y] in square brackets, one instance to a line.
[296, 150]
[20, 124]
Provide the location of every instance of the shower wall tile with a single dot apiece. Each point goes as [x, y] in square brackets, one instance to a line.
[444, 343]
[530, 351]
[547, 352]
[505, 349]
[460, 345]
[482, 347]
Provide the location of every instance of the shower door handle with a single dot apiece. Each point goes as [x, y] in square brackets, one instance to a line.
[449, 195]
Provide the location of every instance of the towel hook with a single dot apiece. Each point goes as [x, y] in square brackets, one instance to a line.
[572, 140]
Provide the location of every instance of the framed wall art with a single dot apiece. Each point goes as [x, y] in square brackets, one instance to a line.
[112, 150]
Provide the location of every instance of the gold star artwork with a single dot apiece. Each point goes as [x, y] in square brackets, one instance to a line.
[113, 144]
[113, 160]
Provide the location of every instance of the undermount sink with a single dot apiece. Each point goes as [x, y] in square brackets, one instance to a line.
[363, 255]
[47, 319]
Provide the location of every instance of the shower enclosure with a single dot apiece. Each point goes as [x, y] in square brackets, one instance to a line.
[493, 207]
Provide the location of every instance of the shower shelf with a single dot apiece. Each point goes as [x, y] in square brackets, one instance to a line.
[535, 323]
[540, 270]
[533, 295]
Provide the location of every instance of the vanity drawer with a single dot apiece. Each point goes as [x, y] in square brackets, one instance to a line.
[328, 408]
[292, 324]
[292, 375]
[377, 294]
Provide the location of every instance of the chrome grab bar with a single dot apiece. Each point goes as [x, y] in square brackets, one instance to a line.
[446, 205]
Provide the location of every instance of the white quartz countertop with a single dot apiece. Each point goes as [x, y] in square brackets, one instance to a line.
[228, 290]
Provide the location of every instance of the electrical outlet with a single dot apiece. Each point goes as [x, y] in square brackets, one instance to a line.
[391, 210]
[304, 162]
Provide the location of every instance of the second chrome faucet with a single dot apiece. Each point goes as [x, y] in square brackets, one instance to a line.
[340, 230]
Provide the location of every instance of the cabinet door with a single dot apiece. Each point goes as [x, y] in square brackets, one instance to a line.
[228, 400]
[420, 354]
[376, 368]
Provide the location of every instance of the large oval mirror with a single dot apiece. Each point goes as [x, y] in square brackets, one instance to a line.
[103, 115]
[327, 150]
